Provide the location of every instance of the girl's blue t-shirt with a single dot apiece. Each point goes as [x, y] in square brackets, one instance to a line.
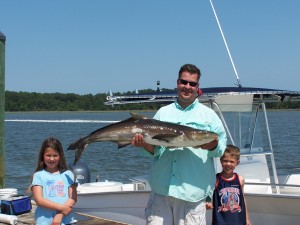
[55, 188]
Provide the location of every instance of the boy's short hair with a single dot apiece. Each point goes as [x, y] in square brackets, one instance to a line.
[233, 151]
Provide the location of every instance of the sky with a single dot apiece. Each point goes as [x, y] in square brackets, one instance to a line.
[96, 46]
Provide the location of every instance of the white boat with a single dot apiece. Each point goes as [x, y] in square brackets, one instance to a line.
[271, 199]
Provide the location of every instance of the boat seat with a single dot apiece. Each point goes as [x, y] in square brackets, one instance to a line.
[293, 179]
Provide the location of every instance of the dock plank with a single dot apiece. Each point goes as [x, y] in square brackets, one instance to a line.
[28, 219]
[97, 220]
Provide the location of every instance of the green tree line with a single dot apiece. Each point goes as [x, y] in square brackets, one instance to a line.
[32, 101]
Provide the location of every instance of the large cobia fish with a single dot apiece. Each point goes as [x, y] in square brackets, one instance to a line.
[155, 132]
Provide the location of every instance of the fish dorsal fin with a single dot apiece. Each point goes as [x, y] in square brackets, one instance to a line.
[138, 116]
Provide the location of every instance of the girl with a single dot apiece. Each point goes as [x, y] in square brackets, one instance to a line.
[53, 186]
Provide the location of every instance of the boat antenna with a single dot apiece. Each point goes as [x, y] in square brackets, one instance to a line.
[228, 51]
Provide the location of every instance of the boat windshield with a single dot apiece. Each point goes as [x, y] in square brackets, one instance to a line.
[246, 129]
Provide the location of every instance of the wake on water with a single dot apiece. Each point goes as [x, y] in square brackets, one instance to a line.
[63, 121]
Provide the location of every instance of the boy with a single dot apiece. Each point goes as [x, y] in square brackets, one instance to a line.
[229, 205]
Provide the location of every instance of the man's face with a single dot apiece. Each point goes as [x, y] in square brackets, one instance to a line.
[187, 86]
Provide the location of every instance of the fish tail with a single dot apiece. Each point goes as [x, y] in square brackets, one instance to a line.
[79, 147]
[78, 154]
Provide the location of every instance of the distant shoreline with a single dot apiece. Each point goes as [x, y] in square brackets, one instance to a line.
[104, 111]
[112, 111]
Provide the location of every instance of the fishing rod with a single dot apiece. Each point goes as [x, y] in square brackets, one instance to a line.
[228, 51]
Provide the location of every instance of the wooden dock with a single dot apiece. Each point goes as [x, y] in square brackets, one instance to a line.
[28, 219]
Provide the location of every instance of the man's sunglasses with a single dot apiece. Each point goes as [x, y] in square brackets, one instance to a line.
[185, 82]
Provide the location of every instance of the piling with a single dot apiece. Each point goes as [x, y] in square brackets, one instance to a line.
[2, 109]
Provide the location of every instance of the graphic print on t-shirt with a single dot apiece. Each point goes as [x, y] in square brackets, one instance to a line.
[55, 188]
[230, 199]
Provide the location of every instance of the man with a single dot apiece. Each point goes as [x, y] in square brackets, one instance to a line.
[182, 179]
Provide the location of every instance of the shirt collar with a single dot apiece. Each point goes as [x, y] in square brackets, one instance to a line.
[190, 107]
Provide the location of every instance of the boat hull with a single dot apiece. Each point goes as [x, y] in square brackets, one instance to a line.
[273, 209]
[125, 206]
[128, 207]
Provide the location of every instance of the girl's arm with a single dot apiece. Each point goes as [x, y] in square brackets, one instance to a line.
[37, 192]
[72, 196]
[242, 182]
[57, 219]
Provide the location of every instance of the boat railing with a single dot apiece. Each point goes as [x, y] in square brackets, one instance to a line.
[275, 188]
[140, 183]
[273, 184]
[256, 153]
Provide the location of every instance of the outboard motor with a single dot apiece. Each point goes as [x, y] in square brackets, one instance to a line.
[82, 172]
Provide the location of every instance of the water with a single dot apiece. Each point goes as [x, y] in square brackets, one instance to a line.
[25, 132]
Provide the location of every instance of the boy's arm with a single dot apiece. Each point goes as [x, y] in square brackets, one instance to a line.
[208, 205]
[242, 182]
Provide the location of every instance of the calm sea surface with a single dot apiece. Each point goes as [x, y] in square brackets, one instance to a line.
[25, 132]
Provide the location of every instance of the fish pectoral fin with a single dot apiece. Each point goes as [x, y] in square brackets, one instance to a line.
[122, 144]
[165, 137]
